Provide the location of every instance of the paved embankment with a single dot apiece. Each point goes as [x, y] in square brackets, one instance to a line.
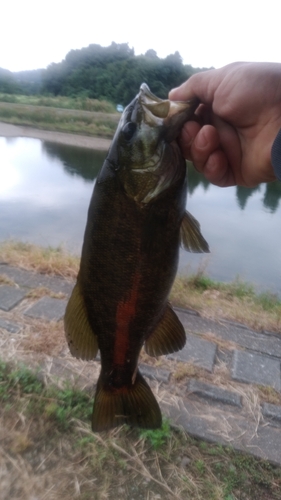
[223, 363]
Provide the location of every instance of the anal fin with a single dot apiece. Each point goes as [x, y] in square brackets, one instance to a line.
[168, 336]
[191, 237]
[134, 405]
[82, 341]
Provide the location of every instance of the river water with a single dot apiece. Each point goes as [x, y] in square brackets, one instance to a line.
[45, 189]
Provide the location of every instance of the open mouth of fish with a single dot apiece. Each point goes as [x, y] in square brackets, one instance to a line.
[159, 112]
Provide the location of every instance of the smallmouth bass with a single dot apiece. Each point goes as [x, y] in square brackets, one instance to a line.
[136, 223]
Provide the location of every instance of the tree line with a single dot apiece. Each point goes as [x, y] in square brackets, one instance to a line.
[113, 73]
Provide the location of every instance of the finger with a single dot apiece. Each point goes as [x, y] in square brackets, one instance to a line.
[217, 170]
[187, 136]
[230, 143]
[204, 144]
[202, 85]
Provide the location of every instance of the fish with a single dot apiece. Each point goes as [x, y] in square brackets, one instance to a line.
[135, 226]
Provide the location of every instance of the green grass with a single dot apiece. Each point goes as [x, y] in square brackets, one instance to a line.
[238, 288]
[157, 437]
[60, 120]
[83, 103]
[47, 446]
[236, 301]
[59, 405]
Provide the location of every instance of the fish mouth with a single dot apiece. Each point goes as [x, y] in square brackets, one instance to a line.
[163, 112]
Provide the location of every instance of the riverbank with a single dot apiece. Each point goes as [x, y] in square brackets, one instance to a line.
[235, 301]
[223, 388]
[98, 143]
[73, 121]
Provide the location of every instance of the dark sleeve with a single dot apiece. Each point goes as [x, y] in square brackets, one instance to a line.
[276, 155]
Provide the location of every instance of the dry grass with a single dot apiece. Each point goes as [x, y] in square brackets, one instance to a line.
[4, 280]
[53, 261]
[236, 301]
[42, 291]
[225, 302]
[40, 337]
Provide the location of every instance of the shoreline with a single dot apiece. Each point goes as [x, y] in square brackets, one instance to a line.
[84, 141]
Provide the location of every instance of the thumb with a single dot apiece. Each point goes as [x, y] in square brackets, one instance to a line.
[201, 85]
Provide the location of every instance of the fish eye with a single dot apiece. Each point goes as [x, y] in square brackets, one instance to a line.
[129, 130]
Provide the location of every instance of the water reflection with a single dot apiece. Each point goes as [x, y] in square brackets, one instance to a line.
[45, 190]
[195, 179]
[86, 163]
[243, 194]
[272, 196]
[76, 161]
[270, 199]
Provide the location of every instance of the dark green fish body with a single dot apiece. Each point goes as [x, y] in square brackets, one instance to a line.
[136, 221]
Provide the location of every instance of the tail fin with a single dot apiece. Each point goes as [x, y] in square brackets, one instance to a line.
[134, 405]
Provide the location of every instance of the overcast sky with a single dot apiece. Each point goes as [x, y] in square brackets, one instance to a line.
[205, 32]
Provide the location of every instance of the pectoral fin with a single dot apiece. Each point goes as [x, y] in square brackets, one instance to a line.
[191, 237]
[169, 335]
[81, 339]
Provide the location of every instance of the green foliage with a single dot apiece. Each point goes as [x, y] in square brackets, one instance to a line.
[201, 282]
[238, 288]
[8, 82]
[59, 405]
[25, 379]
[200, 466]
[269, 301]
[19, 379]
[67, 404]
[157, 437]
[113, 73]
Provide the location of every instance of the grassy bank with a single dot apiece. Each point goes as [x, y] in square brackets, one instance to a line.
[236, 301]
[48, 451]
[92, 123]
[82, 103]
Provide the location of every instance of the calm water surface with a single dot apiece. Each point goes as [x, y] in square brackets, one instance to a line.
[45, 190]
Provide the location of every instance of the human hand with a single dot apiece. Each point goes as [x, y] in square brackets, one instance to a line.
[238, 120]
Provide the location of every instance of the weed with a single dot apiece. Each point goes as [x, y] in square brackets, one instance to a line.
[157, 437]
[200, 466]
[25, 379]
[60, 405]
[269, 301]
[66, 405]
